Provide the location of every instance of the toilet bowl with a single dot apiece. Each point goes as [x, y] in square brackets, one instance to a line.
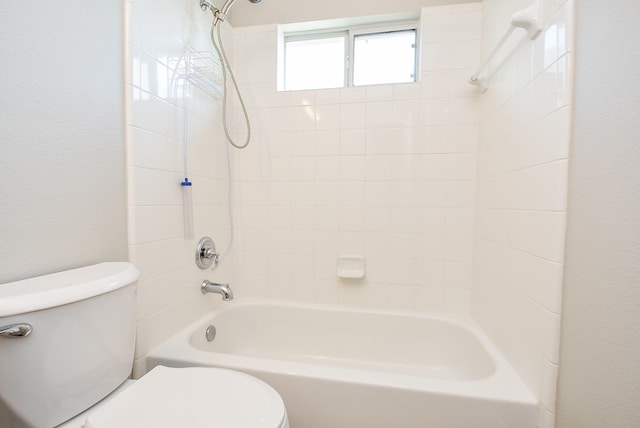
[195, 397]
[67, 345]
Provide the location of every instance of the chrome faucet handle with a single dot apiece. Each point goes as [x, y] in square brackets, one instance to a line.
[16, 330]
[206, 254]
[210, 253]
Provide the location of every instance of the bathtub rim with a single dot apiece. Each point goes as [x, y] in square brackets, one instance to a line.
[504, 384]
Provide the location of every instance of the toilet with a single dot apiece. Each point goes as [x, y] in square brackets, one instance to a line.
[67, 345]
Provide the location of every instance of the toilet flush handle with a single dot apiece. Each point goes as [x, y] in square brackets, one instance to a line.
[16, 330]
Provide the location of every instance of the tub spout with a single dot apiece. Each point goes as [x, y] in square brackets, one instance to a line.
[211, 287]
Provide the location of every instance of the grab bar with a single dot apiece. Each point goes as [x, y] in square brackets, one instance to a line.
[16, 330]
[526, 19]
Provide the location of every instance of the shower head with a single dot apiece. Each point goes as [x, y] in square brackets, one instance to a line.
[220, 14]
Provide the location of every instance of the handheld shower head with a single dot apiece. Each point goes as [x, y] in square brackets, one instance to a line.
[220, 14]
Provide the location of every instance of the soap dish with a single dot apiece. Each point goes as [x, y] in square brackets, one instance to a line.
[350, 267]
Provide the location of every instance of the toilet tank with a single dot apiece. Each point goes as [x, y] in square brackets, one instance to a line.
[80, 348]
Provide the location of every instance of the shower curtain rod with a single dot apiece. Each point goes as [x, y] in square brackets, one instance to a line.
[526, 19]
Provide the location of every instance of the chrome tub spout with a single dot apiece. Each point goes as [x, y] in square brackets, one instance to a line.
[212, 287]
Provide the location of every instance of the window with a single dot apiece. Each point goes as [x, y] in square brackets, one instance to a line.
[349, 57]
[315, 63]
[384, 58]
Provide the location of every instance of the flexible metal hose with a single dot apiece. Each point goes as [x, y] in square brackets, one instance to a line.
[224, 62]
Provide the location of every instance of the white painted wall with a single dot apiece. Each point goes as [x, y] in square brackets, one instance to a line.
[521, 204]
[62, 162]
[245, 13]
[68, 104]
[599, 371]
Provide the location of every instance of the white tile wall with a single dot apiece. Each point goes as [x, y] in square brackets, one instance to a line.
[168, 290]
[521, 195]
[385, 171]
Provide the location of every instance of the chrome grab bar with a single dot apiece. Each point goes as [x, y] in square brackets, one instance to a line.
[16, 330]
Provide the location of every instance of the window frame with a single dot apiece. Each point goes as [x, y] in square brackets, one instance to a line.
[350, 32]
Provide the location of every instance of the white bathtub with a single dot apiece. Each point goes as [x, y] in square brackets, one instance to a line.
[338, 368]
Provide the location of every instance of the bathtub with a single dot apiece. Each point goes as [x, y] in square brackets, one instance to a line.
[339, 368]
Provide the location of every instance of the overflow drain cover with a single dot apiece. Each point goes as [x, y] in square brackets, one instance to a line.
[211, 333]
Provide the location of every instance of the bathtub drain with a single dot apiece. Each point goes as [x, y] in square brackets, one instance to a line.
[211, 333]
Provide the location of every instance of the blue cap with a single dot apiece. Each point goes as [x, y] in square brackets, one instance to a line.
[186, 182]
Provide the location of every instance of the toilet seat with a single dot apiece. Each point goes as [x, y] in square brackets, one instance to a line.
[194, 397]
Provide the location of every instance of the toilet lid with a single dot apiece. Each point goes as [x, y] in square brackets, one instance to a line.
[194, 397]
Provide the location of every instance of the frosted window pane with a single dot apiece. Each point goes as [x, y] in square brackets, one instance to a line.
[315, 64]
[385, 58]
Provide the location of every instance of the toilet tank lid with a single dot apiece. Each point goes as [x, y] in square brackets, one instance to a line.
[61, 288]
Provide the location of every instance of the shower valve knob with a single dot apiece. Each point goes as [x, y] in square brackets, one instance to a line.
[206, 254]
[210, 254]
